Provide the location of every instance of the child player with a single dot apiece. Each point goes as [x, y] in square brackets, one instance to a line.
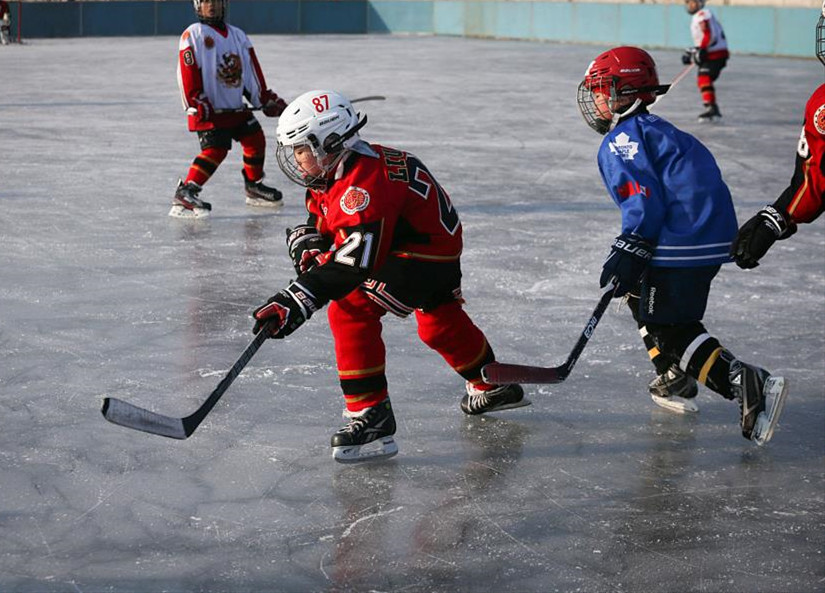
[709, 52]
[677, 225]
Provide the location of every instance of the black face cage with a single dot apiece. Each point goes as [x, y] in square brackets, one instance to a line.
[219, 16]
[286, 161]
[820, 39]
[587, 104]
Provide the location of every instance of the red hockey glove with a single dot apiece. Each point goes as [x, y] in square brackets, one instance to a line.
[758, 234]
[627, 262]
[273, 105]
[289, 309]
[203, 106]
[305, 245]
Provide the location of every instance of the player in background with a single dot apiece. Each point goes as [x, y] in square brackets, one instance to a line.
[709, 52]
[381, 235]
[5, 23]
[804, 199]
[677, 225]
[217, 69]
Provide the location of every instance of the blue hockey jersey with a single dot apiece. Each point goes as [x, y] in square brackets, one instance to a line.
[670, 192]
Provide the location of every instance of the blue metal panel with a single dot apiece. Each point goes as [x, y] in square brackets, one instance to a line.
[265, 17]
[42, 19]
[596, 23]
[552, 21]
[748, 29]
[642, 25]
[513, 20]
[174, 17]
[400, 17]
[448, 18]
[334, 16]
[115, 19]
[795, 31]
[677, 23]
[480, 19]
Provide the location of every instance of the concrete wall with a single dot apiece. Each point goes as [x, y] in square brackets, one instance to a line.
[769, 30]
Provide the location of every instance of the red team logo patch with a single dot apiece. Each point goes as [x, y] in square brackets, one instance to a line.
[819, 120]
[208, 42]
[355, 200]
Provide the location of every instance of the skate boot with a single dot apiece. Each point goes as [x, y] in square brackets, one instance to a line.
[258, 194]
[711, 113]
[674, 390]
[499, 398]
[761, 398]
[373, 424]
[187, 204]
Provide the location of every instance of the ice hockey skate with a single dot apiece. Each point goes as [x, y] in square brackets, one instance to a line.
[373, 426]
[187, 204]
[761, 398]
[710, 114]
[505, 397]
[258, 194]
[675, 390]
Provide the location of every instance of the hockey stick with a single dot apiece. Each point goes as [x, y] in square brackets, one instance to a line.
[502, 374]
[194, 111]
[676, 80]
[131, 416]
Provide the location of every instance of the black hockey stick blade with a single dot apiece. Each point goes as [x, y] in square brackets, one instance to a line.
[131, 416]
[369, 98]
[498, 373]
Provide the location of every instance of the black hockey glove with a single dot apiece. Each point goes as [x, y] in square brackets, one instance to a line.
[758, 234]
[697, 55]
[272, 104]
[627, 262]
[288, 309]
[305, 244]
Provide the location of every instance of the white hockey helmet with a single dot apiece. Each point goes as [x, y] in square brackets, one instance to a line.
[323, 121]
[820, 35]
[220, 11]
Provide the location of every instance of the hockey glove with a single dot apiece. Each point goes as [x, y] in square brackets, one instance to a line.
[273, 105]
[306, 245]
[626, 264]
[204, 108]
[758, 234]
[288, 309]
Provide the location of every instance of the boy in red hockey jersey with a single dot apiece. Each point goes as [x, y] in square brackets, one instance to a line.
[804, 199]
[382, 235]
[217, 69]
[710, 53]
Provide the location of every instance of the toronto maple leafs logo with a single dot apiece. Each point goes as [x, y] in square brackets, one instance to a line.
[624, 148]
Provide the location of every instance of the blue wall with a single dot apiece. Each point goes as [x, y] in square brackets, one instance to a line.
[757, 29]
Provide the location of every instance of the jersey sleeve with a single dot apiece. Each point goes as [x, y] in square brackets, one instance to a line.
[804, 198]
[190, 79]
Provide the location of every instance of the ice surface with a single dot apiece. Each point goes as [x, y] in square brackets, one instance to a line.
[592, 488]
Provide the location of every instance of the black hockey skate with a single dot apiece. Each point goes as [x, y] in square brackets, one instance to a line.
[711, 113]
[755, 389]
[675, 390]
[501, 398]
[187, 204]
[373, 424]
[258, 194]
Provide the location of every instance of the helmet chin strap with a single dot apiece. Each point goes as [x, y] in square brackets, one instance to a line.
[618, 116]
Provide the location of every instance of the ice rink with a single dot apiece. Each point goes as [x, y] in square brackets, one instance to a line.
[592, 488]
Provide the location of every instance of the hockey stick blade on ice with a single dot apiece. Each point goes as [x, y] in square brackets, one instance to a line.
[131, 416]
[499, 373]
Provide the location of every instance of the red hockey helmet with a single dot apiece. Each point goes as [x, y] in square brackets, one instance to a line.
[622, 78]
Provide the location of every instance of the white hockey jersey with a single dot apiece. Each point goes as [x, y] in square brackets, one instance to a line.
[227, 65]
[707, 34]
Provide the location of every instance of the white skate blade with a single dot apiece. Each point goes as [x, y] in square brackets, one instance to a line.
[380, 449]
[676, 404]
[179, 211]
[264, 203]
[776, 391]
